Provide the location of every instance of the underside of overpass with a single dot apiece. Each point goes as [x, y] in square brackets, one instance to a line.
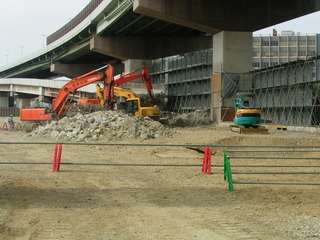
[145, 29]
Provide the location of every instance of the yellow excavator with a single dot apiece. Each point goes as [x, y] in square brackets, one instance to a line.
[133, 103]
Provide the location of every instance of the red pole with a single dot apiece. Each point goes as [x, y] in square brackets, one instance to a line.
[205, 160]
[59, 157]
[209, 160]
[206, 165]
[54, 166]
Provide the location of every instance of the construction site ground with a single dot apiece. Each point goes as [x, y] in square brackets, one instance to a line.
[152, 202]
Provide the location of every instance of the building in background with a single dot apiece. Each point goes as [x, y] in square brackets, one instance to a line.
[287, 47]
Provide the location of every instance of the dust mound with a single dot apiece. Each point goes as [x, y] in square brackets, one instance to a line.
[196, 118]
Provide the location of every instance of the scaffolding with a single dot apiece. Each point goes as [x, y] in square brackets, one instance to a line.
[287, 94]
[187, 80]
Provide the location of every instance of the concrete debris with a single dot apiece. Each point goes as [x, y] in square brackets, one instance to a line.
[196, 118]
[101, 125]
[90, 108]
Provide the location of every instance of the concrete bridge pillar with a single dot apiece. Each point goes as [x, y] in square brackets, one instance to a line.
[23, 102]
[232, 55]
[41, 93]
[4, 99]
[11, 90]
[133, 64]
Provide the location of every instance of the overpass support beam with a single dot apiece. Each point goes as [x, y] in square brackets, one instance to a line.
[148, 47]
[76, 70]
[232, 55]
[72, 70]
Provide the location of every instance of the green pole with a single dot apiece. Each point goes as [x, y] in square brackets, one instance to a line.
[224, 166]
[227, 171]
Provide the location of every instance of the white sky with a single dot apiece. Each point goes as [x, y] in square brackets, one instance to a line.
[308, 24]
[24, 22]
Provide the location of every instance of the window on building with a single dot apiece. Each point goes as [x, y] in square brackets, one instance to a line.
[283, 43]
[283, 54]
[256, 43]
[255, 64]
[256, 54]
[311, 42]
[274, 54]
[293, 43]
[266, 54]
[302, 42]
[311, 53]
[302, 53]
[265, 43]
[293, 54]
[274, 43]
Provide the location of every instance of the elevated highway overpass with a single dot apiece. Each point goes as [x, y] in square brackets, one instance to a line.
[19, 91]
[117, 30]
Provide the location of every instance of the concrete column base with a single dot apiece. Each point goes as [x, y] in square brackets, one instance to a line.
[232, 54]
[133, 64]
[216, 97]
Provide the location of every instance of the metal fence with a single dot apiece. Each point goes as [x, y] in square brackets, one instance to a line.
[187, 80]
[274, 162]
[57, 159]
[7, 111]
[306, 165]
[287, 94]
[74, 22]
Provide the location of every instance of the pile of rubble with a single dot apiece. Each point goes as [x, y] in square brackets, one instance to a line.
[101, 125]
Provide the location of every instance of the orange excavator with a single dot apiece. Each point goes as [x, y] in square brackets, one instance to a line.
[63, 99]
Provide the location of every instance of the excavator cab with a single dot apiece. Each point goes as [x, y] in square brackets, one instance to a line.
[41, 103]
[132, 107]
[247, 117]
[246, 114]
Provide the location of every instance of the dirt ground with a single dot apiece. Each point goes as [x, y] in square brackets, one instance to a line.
[153, 202]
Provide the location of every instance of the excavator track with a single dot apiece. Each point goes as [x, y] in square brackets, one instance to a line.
[249, 130]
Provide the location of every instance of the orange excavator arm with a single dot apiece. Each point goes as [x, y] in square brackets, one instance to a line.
[109, 90]
[144, 75]
[61, 104]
